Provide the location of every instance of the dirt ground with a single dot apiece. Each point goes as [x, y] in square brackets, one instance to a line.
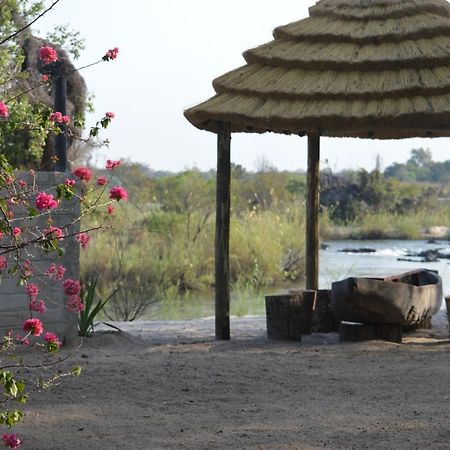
[171, 386]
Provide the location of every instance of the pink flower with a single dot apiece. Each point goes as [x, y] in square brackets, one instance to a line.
[54, 233]
[52, 340]
[48, 54]
[45, 78]
[59, 118]
[112, 164]
[33, 326]
[55, 272]
[11, 440]
[111, 54]
[71, 287]
[1, 234]
[101, 181]
[38, 306]
[26, 268]
[22, 183]
[4, 112]
[3, 263]
[45, 201]
[83, 239]
[118, 193]
[75, 304]
[69, 182]
[110, 209]
[83, 173]
[32, 291]
[16, 232]
[22, 340]
[110, 115]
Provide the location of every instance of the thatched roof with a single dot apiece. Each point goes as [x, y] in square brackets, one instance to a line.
[356, 68]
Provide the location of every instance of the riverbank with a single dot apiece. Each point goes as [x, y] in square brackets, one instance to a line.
[167, 386]
[380, 231]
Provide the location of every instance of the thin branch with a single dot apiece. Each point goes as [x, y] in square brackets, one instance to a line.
[31, 23]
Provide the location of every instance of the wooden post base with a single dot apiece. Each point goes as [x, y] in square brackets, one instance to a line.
[447, 304]
[290, 315]
[425, 324]
[324, 320]
[355, 332]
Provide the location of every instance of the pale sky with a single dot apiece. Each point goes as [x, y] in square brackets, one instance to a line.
[170, 51]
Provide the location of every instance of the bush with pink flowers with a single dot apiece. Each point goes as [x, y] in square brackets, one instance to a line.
[27, 228]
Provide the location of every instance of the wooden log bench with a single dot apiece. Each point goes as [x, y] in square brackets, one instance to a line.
[289, 315]
[356, 332]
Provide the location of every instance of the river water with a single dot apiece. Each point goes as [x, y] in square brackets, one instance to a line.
[334, 265]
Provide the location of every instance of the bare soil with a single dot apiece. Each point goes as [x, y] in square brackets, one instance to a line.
[171, 386]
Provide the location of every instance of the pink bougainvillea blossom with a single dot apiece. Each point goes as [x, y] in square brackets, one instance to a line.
[16, 232]
[111, 54]
[38, 306]
[32, 291]
[110, 115]
[22, 183]
[110, 164]
[26, 268]
[11, 440]
[3, 263]
[48, 54]
[59, 118]
[33, 326]
[54, 233]
[45, 78]
[45, 201]
[71, 287]
[22, 340]
[4, 112]
[118, 193]
[55, 272]
[52, 339]
[110, 209]
[101, 181]
[1, 234]
[75, 304]
[83, 173]
[70, 182]
[83, 239]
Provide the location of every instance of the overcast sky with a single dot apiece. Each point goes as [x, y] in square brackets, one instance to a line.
[170, 51]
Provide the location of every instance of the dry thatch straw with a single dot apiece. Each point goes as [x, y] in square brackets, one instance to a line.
[355, 68]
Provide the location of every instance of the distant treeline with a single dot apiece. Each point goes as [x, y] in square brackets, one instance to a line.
[347, 196]
[420, 167]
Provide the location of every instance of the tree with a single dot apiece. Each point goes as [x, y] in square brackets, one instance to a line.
[31, 98]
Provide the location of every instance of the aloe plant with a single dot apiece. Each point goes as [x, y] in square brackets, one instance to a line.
[91, 309]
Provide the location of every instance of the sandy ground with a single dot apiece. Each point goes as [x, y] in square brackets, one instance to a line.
[170, 385]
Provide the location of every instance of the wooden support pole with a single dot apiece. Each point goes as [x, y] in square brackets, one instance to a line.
[60, 85]
[312, 213]
[223, 233]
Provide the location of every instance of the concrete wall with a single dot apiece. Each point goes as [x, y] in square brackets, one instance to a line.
[13, 299]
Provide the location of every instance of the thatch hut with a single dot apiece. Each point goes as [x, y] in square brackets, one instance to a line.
[377, 69]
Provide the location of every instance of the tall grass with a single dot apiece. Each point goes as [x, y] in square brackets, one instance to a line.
[155, 255]
[413, 225]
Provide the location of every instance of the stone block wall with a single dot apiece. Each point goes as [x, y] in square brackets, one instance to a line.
[13, 299]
